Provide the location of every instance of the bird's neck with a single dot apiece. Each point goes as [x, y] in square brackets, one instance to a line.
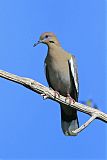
[53, 44]
[57, 52]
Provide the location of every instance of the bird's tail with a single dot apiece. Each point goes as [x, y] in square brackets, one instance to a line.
[69, 120]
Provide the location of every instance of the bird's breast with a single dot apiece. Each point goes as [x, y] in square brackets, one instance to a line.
[59, 76]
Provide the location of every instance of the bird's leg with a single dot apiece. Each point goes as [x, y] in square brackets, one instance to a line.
[56, 94]
[71, 100]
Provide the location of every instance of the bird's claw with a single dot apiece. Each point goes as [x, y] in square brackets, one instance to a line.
[56, 94]
[44, 96]
[69, 99]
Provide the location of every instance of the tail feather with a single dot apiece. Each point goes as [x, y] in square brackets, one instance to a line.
[69, 120]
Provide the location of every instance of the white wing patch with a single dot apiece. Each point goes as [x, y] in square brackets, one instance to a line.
[74, 72]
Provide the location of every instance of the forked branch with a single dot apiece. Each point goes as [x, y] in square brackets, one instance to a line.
[49, 93]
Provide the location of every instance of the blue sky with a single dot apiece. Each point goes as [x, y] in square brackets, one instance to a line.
[29, 126]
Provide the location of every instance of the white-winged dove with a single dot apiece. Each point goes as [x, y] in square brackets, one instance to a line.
[61, 74]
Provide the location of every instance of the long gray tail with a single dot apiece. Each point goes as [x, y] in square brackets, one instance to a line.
[69, 120]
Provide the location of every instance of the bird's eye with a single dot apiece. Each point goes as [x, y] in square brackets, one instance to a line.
[46, 36]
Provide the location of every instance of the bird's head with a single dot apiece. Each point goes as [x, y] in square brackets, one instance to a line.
[48, 38]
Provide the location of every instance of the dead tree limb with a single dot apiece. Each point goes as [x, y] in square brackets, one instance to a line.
[49, 93]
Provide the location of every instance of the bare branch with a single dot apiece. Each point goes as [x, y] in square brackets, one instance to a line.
[84, 125]
[49, 93]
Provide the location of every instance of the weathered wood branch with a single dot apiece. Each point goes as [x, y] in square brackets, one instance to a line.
[85, 124]
[49, 93]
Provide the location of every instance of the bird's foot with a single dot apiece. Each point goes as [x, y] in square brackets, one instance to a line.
[69, 99]
[56, 94]
[44, 96]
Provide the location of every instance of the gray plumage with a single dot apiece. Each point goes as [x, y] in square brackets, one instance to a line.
[61, 74]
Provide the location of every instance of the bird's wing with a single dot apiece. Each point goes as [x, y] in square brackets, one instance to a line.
[74, 71]
[47, 74]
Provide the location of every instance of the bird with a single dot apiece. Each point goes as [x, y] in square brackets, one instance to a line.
[62, 76]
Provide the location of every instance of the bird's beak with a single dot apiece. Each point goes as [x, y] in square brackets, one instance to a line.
[40, 41]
